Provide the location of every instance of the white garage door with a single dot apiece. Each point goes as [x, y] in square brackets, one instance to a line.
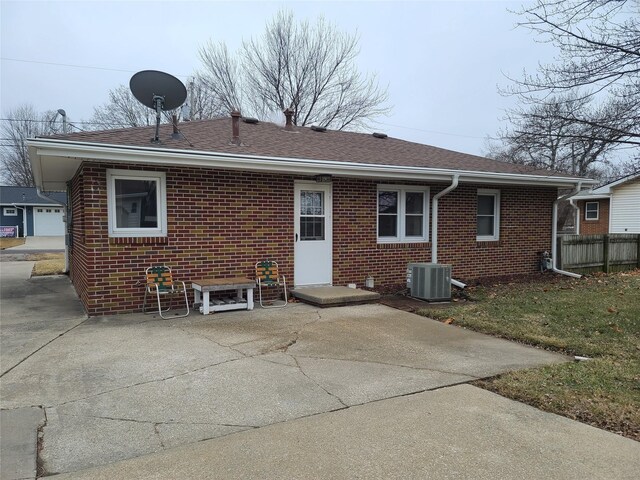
[48, 221]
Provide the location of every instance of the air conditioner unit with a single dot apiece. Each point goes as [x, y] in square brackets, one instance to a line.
[429, 281]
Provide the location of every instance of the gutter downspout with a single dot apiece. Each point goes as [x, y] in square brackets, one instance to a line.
[66, 243]
[554, 232]
[24, 219]
[434, 224]
[577, 212]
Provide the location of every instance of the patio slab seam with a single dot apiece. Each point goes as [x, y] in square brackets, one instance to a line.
[43, 346]
[410, 367]
[157, 380]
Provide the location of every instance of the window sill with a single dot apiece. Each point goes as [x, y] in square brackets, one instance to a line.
[400, 245]
[138, 240]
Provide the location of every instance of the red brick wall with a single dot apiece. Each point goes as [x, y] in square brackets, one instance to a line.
[221, 222]
[595, 227]
[525, 229]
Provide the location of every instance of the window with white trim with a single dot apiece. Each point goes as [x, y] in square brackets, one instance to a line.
[403, 214]
[488, 215]
[592, 210]
[10, 212]
[137, 203]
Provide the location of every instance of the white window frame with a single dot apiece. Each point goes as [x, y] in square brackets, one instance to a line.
[401, 225]
[161, 197]
[6, 211]
[487, 192]
[586, 211]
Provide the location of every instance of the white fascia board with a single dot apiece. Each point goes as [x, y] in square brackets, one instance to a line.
[194, 158]
[586, 196]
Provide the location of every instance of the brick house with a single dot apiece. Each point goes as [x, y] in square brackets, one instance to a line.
[331, 207]
[610, 208]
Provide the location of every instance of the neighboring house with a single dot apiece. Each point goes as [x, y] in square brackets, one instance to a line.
[33, 215]
[611, 208]
[331, 207]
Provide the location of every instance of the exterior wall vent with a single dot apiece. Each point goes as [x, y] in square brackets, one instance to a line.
[429, 281]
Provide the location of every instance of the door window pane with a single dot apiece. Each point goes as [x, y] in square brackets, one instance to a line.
[311, 228]
[311, 203]
[311, 215]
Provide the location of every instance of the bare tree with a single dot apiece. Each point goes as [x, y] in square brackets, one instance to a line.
[309, 69]
[22, 123]
[123, 110]
[545, 135]
[599, 57]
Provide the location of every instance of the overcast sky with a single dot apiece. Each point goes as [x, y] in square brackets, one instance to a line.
[442, 61]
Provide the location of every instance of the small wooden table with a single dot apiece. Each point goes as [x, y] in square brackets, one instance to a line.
[213, 285]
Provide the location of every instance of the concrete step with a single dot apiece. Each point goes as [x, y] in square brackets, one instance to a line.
[334, 296]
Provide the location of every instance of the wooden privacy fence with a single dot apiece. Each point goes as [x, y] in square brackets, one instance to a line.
[589, 253]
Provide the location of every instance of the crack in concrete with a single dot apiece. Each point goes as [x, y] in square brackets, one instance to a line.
[422, 369]
[147, 382]
[230, 347]
[41, 471]
[297, 334]
[318, 384]
[156, 424]
[43, 346]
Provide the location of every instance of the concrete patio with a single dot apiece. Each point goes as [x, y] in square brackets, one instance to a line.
[268, 384]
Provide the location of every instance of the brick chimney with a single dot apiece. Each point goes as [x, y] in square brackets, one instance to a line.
[288, 113]
[235, 124]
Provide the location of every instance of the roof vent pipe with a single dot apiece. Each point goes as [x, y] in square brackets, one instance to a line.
[235, 127]
[288, 115]
[176, 135]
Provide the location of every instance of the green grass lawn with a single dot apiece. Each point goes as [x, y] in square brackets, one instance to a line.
[596, 317]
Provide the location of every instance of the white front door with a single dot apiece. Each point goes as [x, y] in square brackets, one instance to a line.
[313, 234]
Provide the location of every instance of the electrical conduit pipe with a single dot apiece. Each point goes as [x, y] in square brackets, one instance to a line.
[434, 225]
[554, 232]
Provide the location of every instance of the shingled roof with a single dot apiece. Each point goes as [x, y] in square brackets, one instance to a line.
[264, 139]
[27, 196]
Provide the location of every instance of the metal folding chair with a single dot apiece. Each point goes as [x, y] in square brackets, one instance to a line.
[159, 281]
[267, 275]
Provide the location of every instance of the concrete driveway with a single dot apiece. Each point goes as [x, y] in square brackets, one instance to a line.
[279, 394]
[39, 244]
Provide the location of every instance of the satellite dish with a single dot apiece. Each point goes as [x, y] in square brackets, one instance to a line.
[158, 91]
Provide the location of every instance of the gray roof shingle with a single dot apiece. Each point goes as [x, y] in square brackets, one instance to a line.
[271, 140]
[27, 196]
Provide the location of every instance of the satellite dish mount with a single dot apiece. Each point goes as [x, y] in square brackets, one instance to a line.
[158, 91]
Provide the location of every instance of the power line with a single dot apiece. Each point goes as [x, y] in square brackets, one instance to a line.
[71, 65]
[431, 131]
